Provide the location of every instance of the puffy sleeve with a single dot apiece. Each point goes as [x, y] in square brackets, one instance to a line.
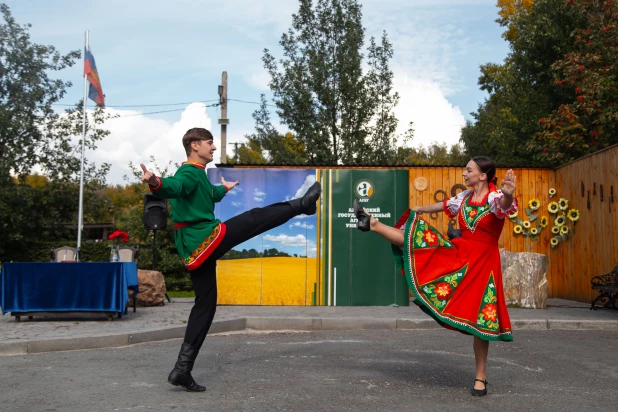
[452, 205]
[496, 208]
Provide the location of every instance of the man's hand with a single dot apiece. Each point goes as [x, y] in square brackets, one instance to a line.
[149, 177]
[229, 185]
[508, 183]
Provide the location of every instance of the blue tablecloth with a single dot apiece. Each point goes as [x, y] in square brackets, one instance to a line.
[66, 286]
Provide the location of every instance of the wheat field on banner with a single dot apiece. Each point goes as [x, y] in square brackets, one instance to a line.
[266, 281]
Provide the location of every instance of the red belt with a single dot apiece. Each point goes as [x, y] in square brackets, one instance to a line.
[181, 225]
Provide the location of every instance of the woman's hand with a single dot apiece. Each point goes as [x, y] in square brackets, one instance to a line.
[229, 185]
[418, 210]
[509, 183]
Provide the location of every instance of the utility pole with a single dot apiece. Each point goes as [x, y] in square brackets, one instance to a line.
[223, 121]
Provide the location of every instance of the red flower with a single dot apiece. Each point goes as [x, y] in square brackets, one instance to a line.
[490, 312]
[473, 213]
[580, 98]
[430, 237]
[578, 90]
[443, 290]
[120, 233]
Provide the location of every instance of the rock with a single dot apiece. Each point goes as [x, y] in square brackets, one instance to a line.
[524, 277]
[151, 288]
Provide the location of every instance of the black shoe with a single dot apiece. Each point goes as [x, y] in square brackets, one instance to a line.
[307, 205]
[364, 220]
[181, 374]
[480, 392]
[452, 233]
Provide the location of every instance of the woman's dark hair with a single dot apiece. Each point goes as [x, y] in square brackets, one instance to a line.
[487, 166]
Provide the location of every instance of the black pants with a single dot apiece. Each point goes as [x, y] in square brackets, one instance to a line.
[238, 230]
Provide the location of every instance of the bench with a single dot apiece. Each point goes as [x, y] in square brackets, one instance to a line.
[607, 285]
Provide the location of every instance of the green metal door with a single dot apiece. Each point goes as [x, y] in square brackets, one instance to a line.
[358, 267]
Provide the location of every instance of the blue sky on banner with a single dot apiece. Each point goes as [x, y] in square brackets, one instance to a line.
[260, 188]
[162, 52]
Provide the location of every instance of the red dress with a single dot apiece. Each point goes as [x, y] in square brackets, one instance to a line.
[459, 282]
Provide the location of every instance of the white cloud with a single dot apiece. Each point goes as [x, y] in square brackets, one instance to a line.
[136, 138]
[258, 195]
[424, 103]
[236, 204]
[285, 240]
[302, 225]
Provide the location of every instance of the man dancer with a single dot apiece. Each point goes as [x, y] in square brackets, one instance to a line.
[201, 239]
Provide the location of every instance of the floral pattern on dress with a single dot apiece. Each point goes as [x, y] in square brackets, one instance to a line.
[426, 236]
[441, 290]
[472, 214]
[488, 312]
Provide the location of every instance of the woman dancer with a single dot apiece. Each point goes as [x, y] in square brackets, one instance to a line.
[458, 282]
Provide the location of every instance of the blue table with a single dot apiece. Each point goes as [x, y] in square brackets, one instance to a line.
[61, 287]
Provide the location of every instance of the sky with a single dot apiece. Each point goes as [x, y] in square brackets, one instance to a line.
[162, 52]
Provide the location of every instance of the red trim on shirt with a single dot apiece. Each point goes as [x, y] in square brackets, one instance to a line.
[205, 254]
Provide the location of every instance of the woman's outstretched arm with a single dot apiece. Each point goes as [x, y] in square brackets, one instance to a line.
[435, 208]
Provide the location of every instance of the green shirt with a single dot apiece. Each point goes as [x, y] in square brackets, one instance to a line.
[192, 198]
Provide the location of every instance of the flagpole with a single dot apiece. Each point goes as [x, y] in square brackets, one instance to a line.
[80, 216]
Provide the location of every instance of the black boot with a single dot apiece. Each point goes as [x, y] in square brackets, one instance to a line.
[307, 204]
[364, 220]
[181, 374]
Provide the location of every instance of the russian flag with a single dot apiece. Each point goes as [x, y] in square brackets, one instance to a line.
[90, 70]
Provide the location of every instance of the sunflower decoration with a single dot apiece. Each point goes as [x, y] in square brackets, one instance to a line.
[554, 241]
[564, 230]
[517, 229]
[563, 204]
[544, 221]
[552, 192]
[534, 231]
[560, 221]
[534, 204]
[526, 224]
[513, 215]
[553, 207]
[555, 230]
[573, 215]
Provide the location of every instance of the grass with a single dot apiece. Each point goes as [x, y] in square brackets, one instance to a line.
[181, 294]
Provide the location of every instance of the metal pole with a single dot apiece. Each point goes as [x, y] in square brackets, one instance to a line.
[80, 215]
[154, 251]
[224, 121]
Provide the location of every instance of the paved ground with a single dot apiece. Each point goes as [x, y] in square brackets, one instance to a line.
[168, 321]
[420, 370]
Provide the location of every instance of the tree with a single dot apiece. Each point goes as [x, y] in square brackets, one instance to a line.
[32, 133]
[27, 94]
[522, 89]
[321, 92]
[282, 149]
[589, 120]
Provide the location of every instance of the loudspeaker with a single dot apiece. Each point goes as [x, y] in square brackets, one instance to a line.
[155, 212]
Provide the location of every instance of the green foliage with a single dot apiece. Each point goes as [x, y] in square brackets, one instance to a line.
[337, 113]
[522, 90]
[588, 120]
